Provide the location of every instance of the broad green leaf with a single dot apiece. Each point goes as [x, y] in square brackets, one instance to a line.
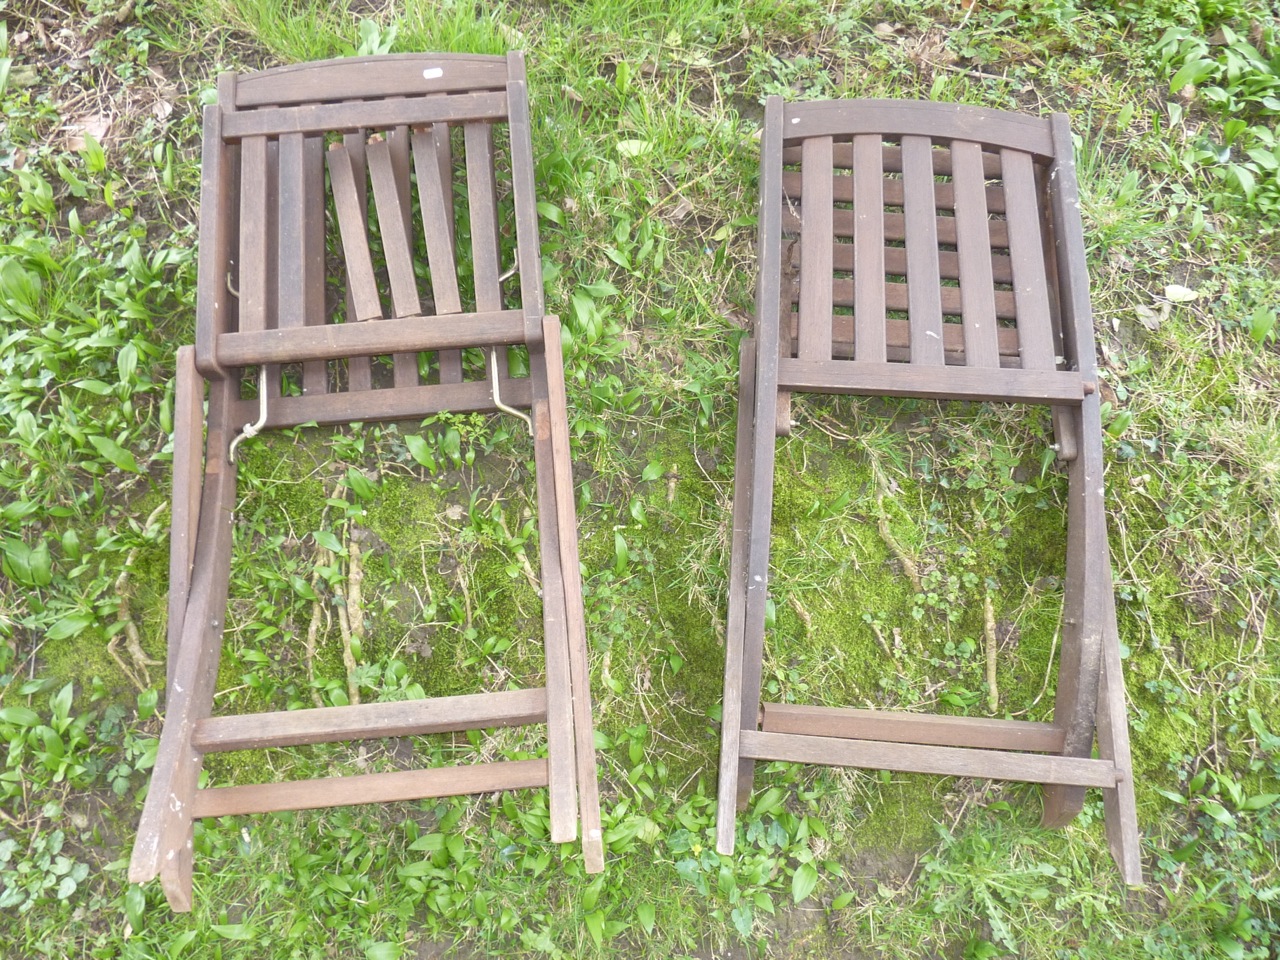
[135, 906]
[646, 914]
[420, 450]
[69, 626]
[20, 716]
[329, 542]
[383, 951]
[802, 884]
[117, 454]
[234, 931]
[595, 926]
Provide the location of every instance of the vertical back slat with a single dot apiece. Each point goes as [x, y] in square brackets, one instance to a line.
[253, 234]
[396, 249]
[315, 374]
[437, 221]
[868, 248]
[924, 286]
[526, 206]
[291, 249]
[362, 285]
[973, 242]
[398, 138]
[359, 369]
[815, 249]
[482, 198]
[1031, 298]
[272, 264]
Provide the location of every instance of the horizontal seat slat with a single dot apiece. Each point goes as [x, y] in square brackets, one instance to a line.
[337, 340]
[402, 403]
[370, 788]
[1001, 385]
[895, 262]
[842, 159]
[898, 727]
[350, 117]
[842, 192]
[927, 758]
[365, 721]
[895, 298]
[895, 227]
[897, 338]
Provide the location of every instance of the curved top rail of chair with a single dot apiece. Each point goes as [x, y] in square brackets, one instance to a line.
[355, 78]
[939, 121]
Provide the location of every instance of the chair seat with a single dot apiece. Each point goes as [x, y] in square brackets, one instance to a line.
[309, 179]
[927, 250]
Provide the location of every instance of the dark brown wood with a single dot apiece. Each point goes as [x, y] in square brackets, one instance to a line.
[165, 830]
[371, 788]
[575, 616]
[254, 237]
[188, 430]
[922, 758]
[348, 202]
[1004, 233]
[1030, 288]
[405, 403]
[433, 161]
[842, 158]
[526, 208]
[897, 337]
[343, 117]
[815, 260]
[947, 301]
[396, 248]
[843, 189]
[367, 721]
[977, 280]
[742, 670]
[942, 122]
[218, 236]
[895, 227]
[354, 78]
[924, 291]
[898, 727]
[942, 383]
[868, 257]
[264, 227]
[895, 261]
[359, 369]
[371, 339]
[561, 744]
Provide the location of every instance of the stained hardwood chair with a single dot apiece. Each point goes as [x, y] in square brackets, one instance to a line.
[874, 205]
[395, 124]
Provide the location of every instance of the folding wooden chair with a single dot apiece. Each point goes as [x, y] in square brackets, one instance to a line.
[878, 203]
[392, 123]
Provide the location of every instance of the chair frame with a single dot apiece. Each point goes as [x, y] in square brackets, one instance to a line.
[1048, 360]
[261, 303]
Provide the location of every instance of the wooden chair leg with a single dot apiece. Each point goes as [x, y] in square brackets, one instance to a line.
[188, 462]
[1088, 583]
[561, 747]
[579, 673]
[730, 727]
[1113, 744]
[164, 838]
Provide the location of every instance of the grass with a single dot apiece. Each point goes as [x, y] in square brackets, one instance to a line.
[644, 127]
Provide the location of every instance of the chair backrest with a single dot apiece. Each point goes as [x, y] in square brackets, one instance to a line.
[295, 260]
[923, 235]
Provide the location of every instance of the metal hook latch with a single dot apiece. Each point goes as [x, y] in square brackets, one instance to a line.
[253, 429]
[497, 398]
